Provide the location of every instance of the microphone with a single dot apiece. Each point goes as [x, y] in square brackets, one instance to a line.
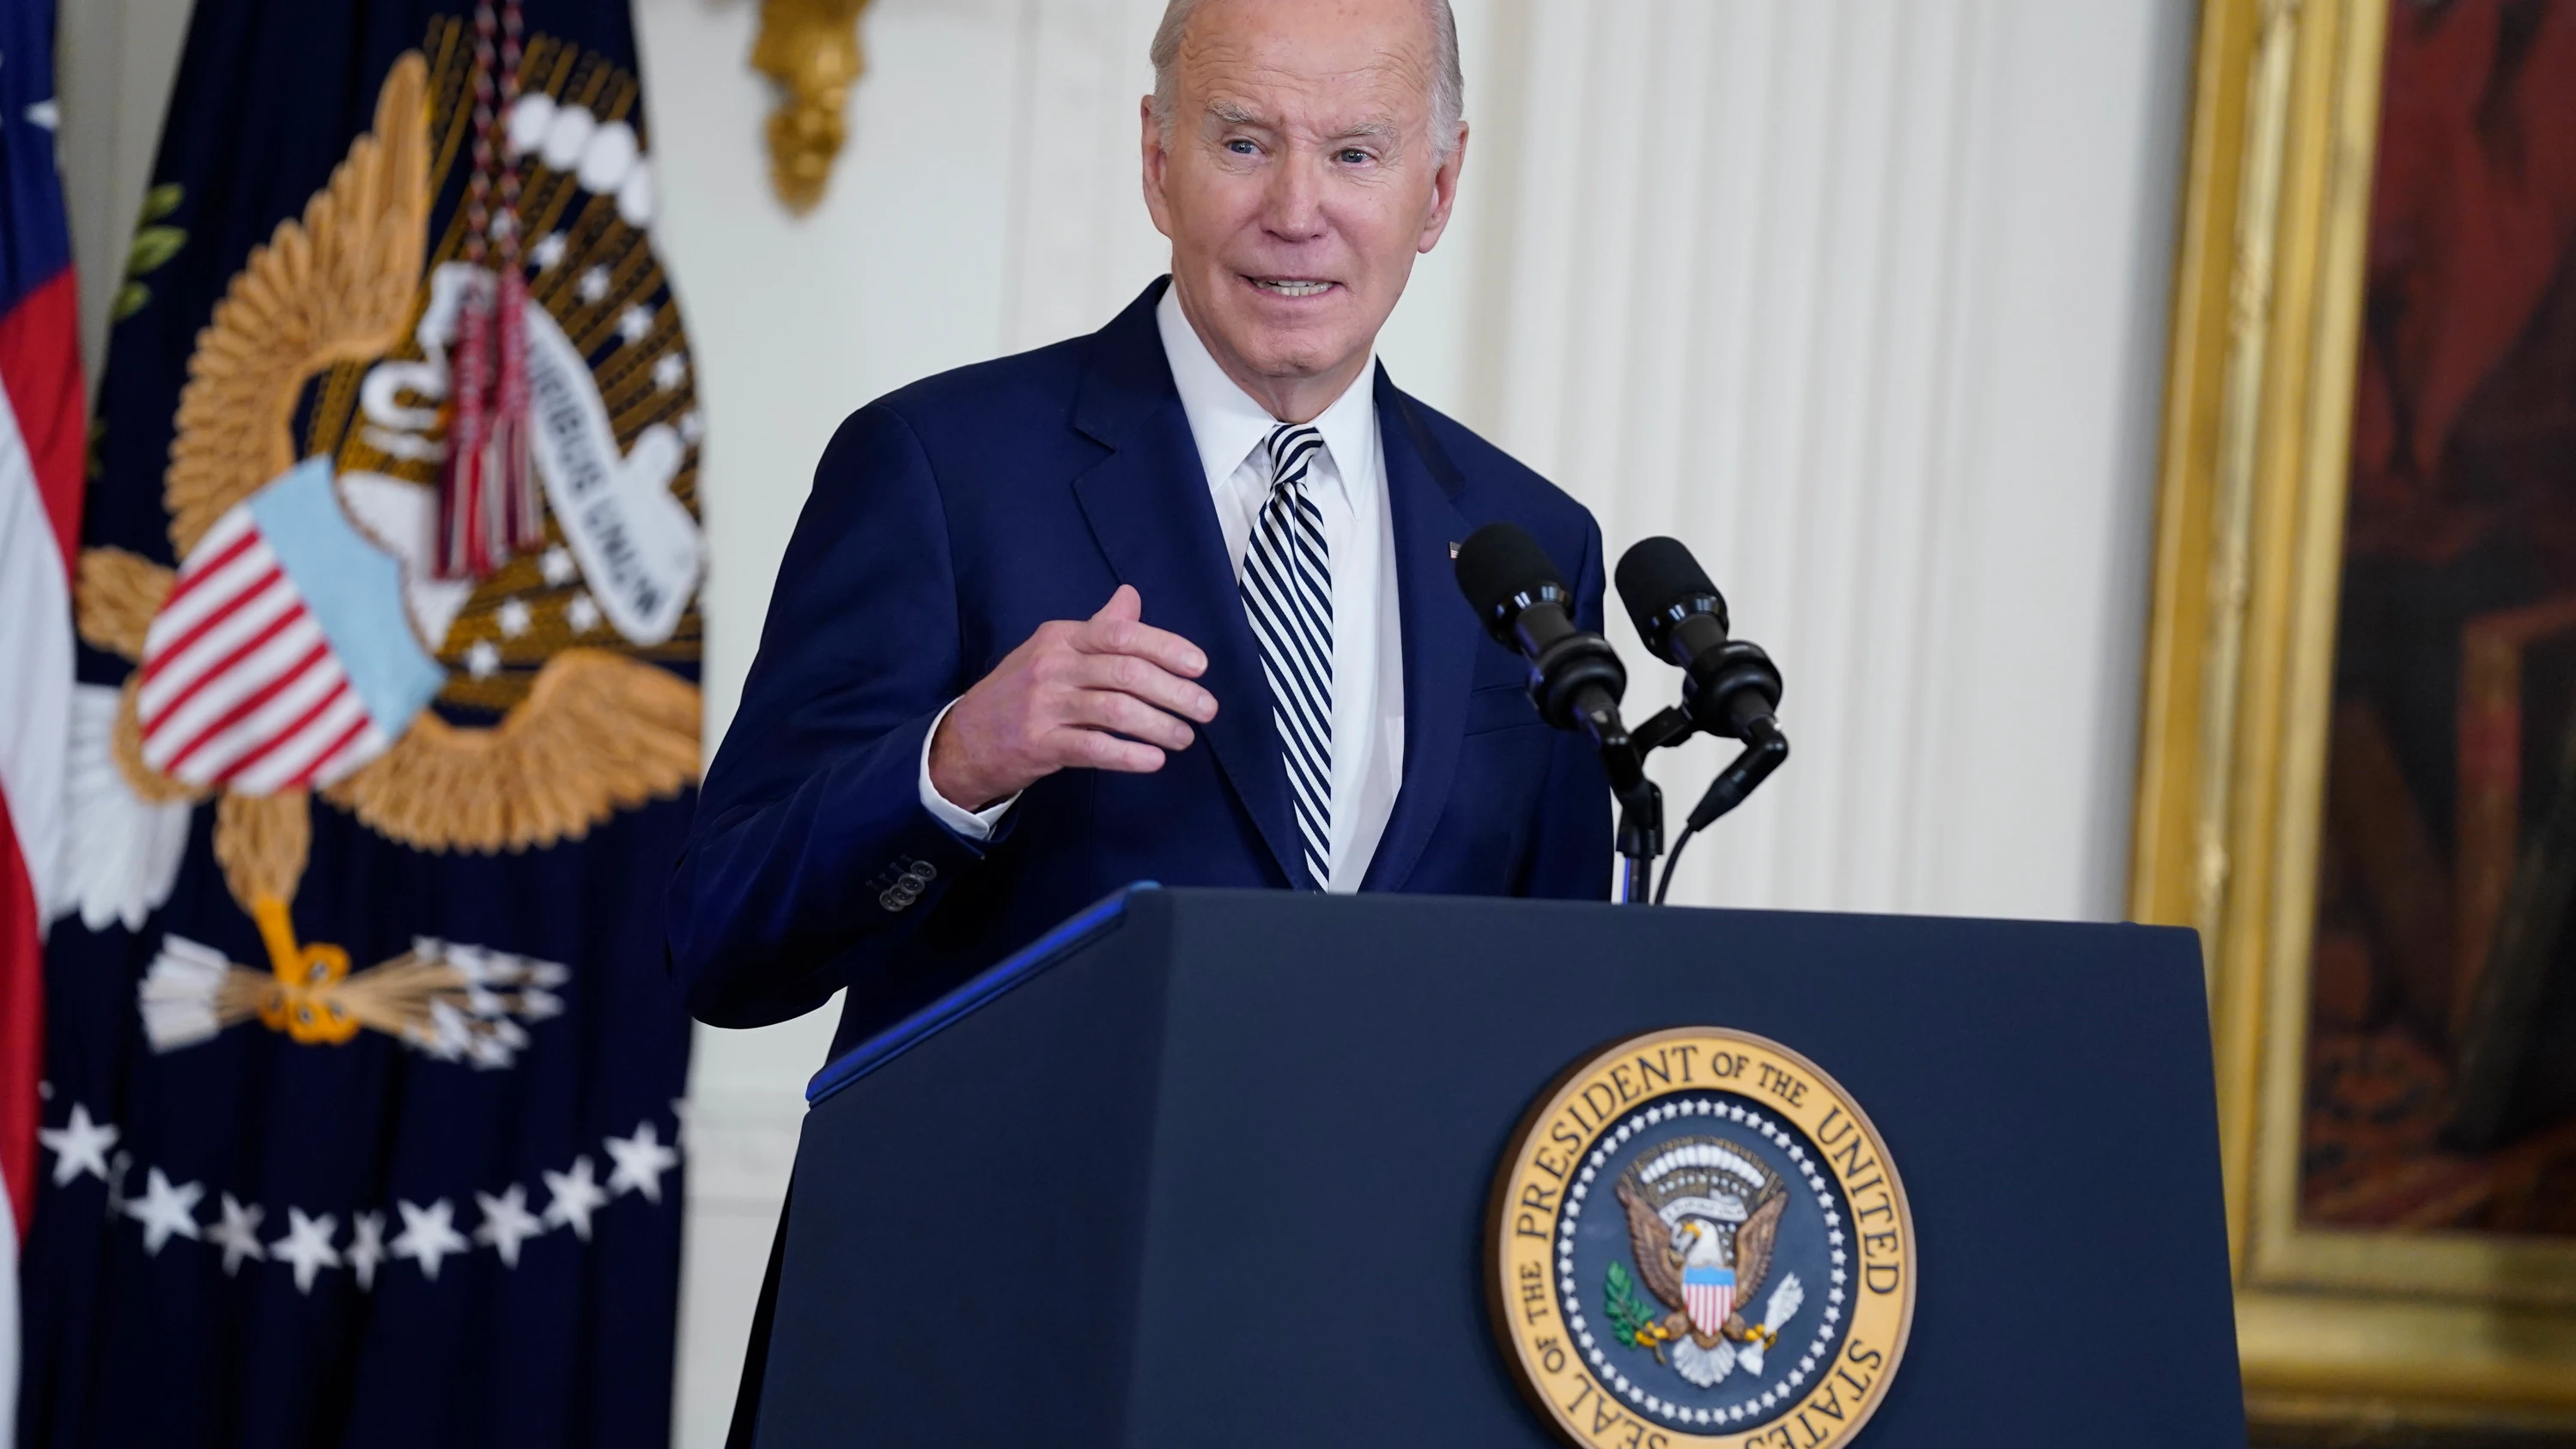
[1575, 677]
[1729, 687]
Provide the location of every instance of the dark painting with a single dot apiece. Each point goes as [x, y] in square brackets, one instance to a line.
[2441, 1067]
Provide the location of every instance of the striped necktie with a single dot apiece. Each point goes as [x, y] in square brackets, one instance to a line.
[1288, 592]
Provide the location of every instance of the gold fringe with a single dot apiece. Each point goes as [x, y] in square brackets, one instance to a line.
[335, 286]
[114, 597]
[598, 733]
[125, 746]
[261, 841]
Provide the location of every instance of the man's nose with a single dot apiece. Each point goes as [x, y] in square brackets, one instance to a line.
[1294, 208]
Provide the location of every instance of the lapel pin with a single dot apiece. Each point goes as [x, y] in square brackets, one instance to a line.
[1453, 552]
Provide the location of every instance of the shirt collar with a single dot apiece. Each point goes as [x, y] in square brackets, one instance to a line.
[1227, 424]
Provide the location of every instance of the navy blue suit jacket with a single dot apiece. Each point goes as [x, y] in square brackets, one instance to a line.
[947, 522]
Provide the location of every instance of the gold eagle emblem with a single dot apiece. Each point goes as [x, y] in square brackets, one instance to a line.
[1698, 1213]
[587, 723]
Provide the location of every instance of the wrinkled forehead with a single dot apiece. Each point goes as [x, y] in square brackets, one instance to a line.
[1326, 65]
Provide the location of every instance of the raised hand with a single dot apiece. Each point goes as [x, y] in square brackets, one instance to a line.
[1107, 693]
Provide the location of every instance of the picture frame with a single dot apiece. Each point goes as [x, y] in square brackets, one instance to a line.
[2347, 1335]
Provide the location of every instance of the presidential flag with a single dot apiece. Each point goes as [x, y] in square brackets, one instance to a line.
[362, 1064]
[40, 497]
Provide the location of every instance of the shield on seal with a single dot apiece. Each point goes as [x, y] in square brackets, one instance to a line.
[283, 658]
[1708, 1295]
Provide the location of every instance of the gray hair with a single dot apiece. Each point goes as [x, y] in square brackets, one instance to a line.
[1448, 87]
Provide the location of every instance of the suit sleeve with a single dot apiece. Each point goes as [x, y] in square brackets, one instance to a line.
[811, 842]
[1572, 842]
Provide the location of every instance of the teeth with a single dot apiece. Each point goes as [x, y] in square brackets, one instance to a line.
[1295, 288]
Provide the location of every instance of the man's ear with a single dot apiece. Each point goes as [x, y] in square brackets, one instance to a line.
[1158, 160]
[1444, 193]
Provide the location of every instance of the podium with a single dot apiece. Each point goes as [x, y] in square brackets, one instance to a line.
[1213, 1167]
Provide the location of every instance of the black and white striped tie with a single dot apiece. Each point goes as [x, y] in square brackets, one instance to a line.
[1288, 591]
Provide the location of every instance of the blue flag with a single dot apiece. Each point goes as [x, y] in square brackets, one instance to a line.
[362, 1066]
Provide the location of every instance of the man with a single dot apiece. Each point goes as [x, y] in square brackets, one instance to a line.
[1170, 602]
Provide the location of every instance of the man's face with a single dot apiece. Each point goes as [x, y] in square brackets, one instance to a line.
[1300, 180]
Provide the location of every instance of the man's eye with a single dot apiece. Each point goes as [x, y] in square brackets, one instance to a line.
[1353, 155]
[1242, 147]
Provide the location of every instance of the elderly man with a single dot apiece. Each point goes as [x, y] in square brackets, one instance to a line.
[1169, 602]
[1022, 592]
[1172, 601]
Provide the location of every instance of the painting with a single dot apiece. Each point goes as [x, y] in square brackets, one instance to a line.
[2442, 1046]
[2358, 765]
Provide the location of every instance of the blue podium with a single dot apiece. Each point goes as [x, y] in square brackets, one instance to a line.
[1252, 1169]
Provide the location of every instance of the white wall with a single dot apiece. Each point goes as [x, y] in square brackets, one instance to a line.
[112, 78]
[1864, 298]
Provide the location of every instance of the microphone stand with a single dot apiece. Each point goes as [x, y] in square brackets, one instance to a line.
[1641, 802]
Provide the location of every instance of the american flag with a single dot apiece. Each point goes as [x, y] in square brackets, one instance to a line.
[41, 439]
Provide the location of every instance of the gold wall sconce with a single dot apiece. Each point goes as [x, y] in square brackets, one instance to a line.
[811, 48]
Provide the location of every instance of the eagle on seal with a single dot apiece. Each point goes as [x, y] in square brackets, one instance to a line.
[1703, 1213]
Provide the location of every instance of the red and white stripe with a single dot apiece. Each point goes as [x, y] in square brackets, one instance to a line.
[1709, 1304]
[42, 431]
[240, 686]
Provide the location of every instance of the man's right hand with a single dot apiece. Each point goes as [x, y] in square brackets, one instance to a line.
[1108, 693]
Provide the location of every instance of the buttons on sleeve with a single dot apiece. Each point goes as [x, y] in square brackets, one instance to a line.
[916, 877]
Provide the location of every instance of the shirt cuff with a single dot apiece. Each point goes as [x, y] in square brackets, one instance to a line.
[972, 824]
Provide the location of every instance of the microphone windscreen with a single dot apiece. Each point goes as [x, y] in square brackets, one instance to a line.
[1658, 573]
[1498, 561]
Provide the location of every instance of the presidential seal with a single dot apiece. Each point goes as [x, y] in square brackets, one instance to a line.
[1698, 1238]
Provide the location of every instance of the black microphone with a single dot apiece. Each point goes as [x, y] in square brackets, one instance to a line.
[1575, 676]
[1727, 685]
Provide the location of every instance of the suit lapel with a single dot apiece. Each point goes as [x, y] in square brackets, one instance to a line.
[1148, 506]
[1440, 634]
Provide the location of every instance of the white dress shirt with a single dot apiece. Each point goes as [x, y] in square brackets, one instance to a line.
[1348, 487]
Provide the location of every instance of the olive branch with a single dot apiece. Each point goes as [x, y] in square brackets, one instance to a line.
[1627, 1312]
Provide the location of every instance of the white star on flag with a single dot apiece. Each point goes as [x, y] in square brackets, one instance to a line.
[482, 659]
[582, 613]
[165, 1211]
[593, 284]
[573, 1196]
[557, 565]
[671, 371]
[306, 1246]
[507, 1223]
[429, 1234]
[79, 1145]
[238, 1235]
[513, 617]
[366, 1247]
[636, 323]
[641, 1160]
[548, 250]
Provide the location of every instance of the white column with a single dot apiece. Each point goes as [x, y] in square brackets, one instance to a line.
[1864, 300]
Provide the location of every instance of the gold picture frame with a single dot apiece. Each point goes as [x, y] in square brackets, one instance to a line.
[2359, 1335]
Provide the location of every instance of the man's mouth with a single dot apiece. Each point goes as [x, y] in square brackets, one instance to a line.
[1292, 286]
